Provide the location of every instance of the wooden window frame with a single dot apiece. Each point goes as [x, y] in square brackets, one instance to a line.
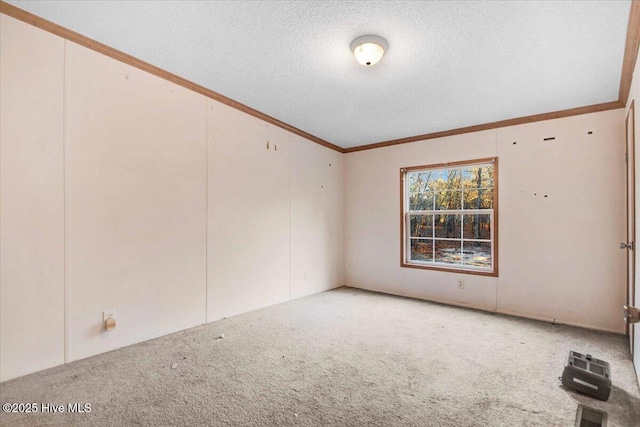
[494, 231]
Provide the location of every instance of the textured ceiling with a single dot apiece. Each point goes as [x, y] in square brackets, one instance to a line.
[449, 64]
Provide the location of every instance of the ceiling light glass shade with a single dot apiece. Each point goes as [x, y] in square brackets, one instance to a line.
[369, 49]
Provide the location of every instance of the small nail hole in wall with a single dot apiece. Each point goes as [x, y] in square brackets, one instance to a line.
[590, 133]
[275, 147]
[514, 142]
[267, 145]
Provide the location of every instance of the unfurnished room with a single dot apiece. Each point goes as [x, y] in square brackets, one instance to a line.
[319, 213]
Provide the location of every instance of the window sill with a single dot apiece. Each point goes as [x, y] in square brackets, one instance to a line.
[450, 270]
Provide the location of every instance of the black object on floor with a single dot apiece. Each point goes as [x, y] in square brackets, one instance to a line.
[587, 375]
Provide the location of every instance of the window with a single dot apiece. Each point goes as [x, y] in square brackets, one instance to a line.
[449, 216]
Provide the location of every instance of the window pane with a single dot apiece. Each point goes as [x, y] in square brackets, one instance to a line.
[478, 198]
[451, 200]
[421, 250]
[445, 179]
[437, 180]
[418, 181]
[471, 199]
[415, 201]
[487, 198]
[477, 227]
[447, 226]
[470, 177]
[477, 177]
[454, 179]
[477, 254]
[411, 178]
[448, 251]
[421, 201]
[487, 176]
[421, 226]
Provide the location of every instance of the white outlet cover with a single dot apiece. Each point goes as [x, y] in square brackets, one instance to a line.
[108, 314]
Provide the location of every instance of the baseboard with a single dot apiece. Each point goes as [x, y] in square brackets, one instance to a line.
[506, 313]
[561, 322]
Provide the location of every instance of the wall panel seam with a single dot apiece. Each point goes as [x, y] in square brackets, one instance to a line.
[290, 229]
[497, 284]
[65, 196]
[206, 212]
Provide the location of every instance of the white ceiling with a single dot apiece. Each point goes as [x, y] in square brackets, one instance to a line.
[449, 64]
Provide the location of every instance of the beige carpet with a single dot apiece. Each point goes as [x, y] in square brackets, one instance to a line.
[345, 357]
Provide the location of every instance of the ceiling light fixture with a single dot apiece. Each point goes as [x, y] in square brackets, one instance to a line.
[369, 49]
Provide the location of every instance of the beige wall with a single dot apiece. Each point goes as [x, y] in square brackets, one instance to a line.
[317, 217]
[170, 207]
[136, 203]
[558, 256]
[275, 217]
[31, 199]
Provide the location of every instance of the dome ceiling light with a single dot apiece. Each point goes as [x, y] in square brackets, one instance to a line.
[369, 49]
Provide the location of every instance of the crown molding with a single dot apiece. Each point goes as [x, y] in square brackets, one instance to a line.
[65, 33]
[632, 44]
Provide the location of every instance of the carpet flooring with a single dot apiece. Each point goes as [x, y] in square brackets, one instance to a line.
[345, 357]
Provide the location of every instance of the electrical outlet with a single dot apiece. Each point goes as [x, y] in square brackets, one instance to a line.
[460, 284]
[108, 314]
